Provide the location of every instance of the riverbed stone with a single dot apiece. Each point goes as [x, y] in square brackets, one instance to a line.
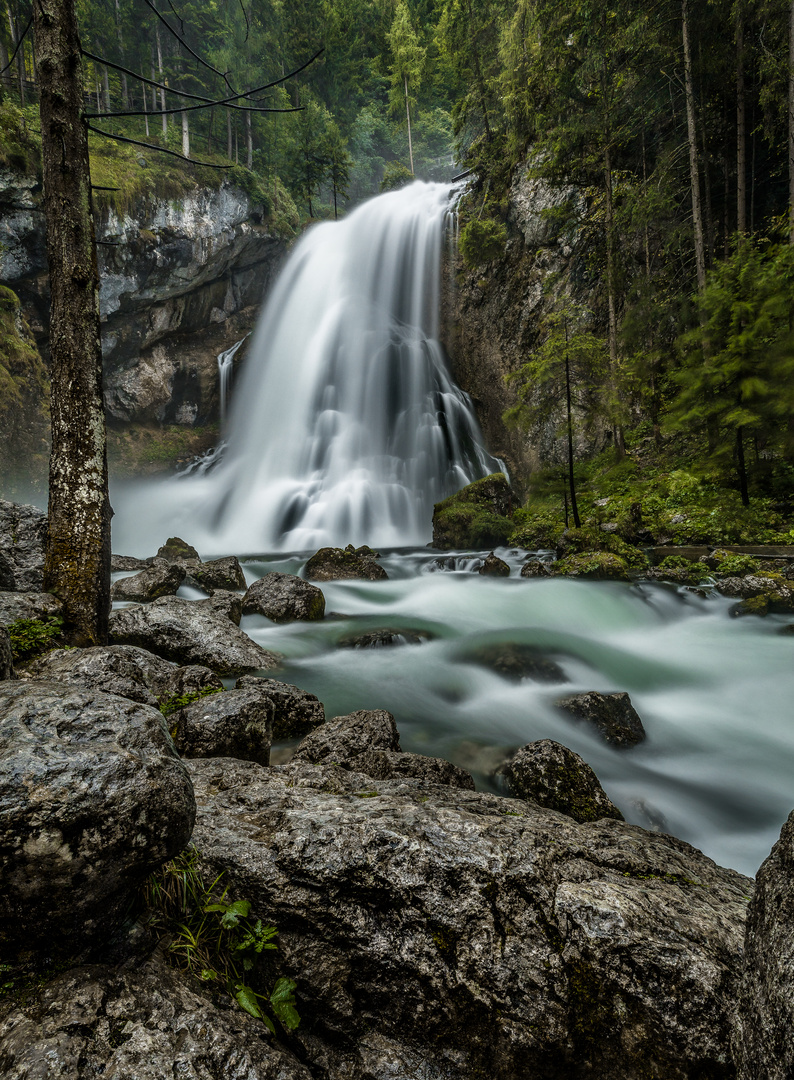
[344, 564]
[190, 633]
[493, 566]
[225, 574]
[15, 606]
[612, 715]
[284, 598]
[119, 563]
[126, 670]
[161, 580]
[384, 637]
[516, 661]
[764, 1036]
[142, 1020]
[188, 680]
[175, 549]
[554, 776]
[92, 798]
[222, 602]
[477, 935]
[344, 737]
[235, 723]
[535, 568]
[23, 536]
[296, 711]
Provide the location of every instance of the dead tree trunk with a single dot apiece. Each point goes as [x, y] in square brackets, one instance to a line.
[77, 565]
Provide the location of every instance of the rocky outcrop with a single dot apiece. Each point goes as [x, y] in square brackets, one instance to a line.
[177, 550]
[284, 598]
[764, 1038]
[611, 715]
[190, 633]
[23, 534]
[92, 799]
[554, 776]
[469, 935]
[493, 566]
[141, 1020]
[216, 575]
[344, 564]
[6, 659]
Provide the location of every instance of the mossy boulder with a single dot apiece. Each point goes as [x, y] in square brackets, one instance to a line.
[477, 516]
[344, 564]
[612, 715]
[551, 775]
[493, 566]
[595, 565]
[176, 550]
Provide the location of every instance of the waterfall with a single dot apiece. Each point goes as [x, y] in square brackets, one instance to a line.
[225, 361]
[346, 426]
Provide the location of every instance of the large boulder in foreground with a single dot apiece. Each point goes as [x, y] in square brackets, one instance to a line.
[764, 1037]
[141, 1020]
[345, 737]
[190, 633]
[477, 516]
[284, 598]
[114, 669]
[23, 534]
[344, 564]
[554, 776]
[237, 723]
[476, 935]
[296, 712]
[92, 798]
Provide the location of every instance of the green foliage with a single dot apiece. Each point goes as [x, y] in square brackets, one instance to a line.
[596, 565]
[737, 565]
[408, 60]
[179, 701]
[396, 175]
[32, 637]
[482, 241]
[215, 939]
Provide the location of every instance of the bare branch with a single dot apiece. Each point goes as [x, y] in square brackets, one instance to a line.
[182, 42]
[191, 108]
[19, 46]
[159, 149]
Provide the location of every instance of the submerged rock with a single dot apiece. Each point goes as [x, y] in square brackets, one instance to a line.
[217, 574]
[141, 1020]
[23, 535]
[478, 936]
[161, 580]
[236, 723]
[494, 567]
[554, 776]
[92, 799]
[190, 633]
[612, 715]
[296, 712]
[283, 598]
[383, 637]
[764, 1036]
[115, 669]
[477, 516]
[344, 564]
[514, 660]
[344, 737]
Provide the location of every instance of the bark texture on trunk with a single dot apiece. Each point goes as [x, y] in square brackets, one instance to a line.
[694, 163]
[741, 130]
[77, 567]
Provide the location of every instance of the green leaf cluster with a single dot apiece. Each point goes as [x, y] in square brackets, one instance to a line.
[32, 637]
[482, 241]
[179, 701]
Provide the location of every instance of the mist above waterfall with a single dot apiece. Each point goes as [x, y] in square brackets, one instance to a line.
[345, 426]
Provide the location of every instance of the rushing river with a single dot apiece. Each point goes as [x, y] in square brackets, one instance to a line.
[346, 427]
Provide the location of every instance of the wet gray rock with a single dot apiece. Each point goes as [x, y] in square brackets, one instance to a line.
[141, 1020]
[555, 777]
[190, 633]
[296, 711]
[30, 605]
[759, 594]
[391, 765]
[228, 604]
[175, 549]
[764, 1036]
[191, 679]
[217, 574]
[6, 659]
[535, 568]
[161, 580]
[120, 563]
[235, 723]
[7, 579]
[384, 637]
[343, 564]
[23, 535]
[478, 936]
[344, 737]
[284, 598]
[612, 715]
[494, 567]
[514, 660]
[92, 798]
[114, 669]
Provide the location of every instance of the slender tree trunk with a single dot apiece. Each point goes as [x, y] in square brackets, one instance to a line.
[20, 66]
[694, 164]
[160, 76]
[229, 134]
[571, 484]
[106, 89]
[144, 89]
[4, 63]
[185, 134]
[125, 99]
[408, 112]
[791, 122]
[741, 467]
[249, 141]
[741, 128]
[645, 197]
[209, 133]
[707, 212]
[77, 565]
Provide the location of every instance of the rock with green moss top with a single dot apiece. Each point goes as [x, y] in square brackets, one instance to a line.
[344, 564]
[235, 723]
[587, 540]
[493, 566]
[536, 568]
[554, 776]
[176, 550]
[477, 516]
[596, 565]
[759, 594]
[679, 570]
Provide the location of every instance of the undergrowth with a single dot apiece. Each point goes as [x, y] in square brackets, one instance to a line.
[214, 938]
[31, 637]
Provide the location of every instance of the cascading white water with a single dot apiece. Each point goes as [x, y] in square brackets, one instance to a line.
[345, 425]
[225, 363]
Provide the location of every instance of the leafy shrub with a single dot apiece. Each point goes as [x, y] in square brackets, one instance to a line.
[736, 565]
[214, 938]
[31, 637]
[481, 242]
[395, 176]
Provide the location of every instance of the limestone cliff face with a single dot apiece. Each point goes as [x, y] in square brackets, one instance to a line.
[492, 316]
[179, 282]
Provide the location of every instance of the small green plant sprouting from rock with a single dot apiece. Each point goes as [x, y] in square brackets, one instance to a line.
[172, 704]
[30, 637]
[482, 241]
[213, 937]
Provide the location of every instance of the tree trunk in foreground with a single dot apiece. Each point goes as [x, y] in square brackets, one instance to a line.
[77, 565]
